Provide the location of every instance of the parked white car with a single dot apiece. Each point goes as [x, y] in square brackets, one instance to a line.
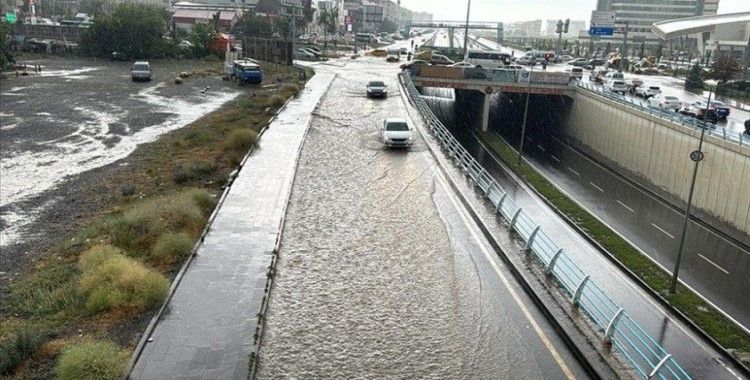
[617, 85]
[141, 70]
[647, 91]
[397, 133]
[665, 102]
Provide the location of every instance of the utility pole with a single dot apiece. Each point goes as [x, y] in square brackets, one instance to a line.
[697, 157]
[525, 114]
[466, 31]
[624, 52]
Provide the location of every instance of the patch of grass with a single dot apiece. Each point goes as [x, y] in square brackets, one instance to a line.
[171, 247]
[724, 331]
[110, 281]
[19, 347]
[289, 89]
[100, 360]
[276, 101]
[240, 140]
[194, 170]
[49, 292]
[203, 199]
[137, 227]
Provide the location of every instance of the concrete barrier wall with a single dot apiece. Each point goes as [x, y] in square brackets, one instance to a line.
[657, 151]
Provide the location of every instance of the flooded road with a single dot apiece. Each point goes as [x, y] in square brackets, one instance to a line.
[77, 115]
[381, 272]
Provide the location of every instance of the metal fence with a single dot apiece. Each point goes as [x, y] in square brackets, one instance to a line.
[647, 357]
[674, 117]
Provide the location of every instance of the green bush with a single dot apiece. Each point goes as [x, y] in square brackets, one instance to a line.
[138, 227]
[50, 291]
[18, 348]
[100, 360]
[276, 101]
[240, 140]
[203, 199]
[290, 89]
[193, 171]
[172, 247]
[111, 281]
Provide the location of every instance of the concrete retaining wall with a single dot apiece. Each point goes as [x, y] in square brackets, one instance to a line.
[658, 151]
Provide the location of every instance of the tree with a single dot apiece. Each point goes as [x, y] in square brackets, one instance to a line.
[6, 58]
[329, 20]
[724, 69]
[388, 26]
[201, 37]
[252, 25]
[134, 30]
[694, 79]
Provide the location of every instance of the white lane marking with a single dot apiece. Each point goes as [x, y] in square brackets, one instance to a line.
[542, 336]
[714, 264]
[596, 187]
[541, 148]
[626, 206]
[555, 158]
[573, 170]
[663, 231]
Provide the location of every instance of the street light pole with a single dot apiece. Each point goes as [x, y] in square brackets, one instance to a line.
[466, 31]
[697, 157]
[525, 114]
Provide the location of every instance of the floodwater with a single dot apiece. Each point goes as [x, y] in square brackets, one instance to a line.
[77, 115]
[380, 274]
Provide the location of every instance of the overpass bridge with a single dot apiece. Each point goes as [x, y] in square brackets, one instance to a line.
[451, 26]
[489, 81]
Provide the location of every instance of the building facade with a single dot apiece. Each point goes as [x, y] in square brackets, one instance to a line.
[531, 28]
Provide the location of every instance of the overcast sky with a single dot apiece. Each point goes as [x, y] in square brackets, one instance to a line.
[521, 10]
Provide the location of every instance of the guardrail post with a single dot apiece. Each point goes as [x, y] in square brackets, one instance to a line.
[531, 238]
[500, 203]
[612, 325]
[551, 265]
[658, 366]
[579, 289]
[515, 218]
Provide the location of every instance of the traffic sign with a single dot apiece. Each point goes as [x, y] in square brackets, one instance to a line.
[601, 31]
[10, 17]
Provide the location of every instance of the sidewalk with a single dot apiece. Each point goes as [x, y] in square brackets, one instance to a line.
[207, 330]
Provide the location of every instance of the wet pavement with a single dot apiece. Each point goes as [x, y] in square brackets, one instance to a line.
[78, 115]
[381, 273]
[207, 330]
[700, 360]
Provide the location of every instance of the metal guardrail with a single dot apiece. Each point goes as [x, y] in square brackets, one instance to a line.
[647, 357]
[675, 117]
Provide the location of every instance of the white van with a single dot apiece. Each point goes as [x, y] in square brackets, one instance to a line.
[488, 59]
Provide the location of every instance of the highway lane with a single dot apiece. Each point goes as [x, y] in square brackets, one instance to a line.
[381, 273]
[713, 265]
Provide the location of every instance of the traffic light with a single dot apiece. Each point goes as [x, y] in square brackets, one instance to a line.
[565, 27]
[559, 26]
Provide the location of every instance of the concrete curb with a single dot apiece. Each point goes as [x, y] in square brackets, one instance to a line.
[265, 303]
[631, 275]
[597, 371]
[178, 278]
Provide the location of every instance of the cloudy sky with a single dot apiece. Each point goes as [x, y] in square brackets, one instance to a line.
[520, 10]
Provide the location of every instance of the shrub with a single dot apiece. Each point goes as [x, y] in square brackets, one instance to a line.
[18, 348]
[290, 89]
[99, 360]
[111, 281]
[171, 247]
[276, 101]
[193, 171]
[240, 140]
[203, 199]
[49, 291]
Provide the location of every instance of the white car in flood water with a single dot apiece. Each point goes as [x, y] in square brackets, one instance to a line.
[397, 133]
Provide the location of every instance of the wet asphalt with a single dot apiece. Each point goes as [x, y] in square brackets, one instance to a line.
[381, 273]
[80, 114]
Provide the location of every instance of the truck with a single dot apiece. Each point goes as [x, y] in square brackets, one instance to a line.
[247, 71]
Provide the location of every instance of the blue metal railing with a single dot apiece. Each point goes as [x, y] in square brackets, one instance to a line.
[674, 117]
[647, 357]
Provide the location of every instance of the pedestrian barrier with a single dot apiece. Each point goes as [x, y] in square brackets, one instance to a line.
[647, 357]
[675, 117]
